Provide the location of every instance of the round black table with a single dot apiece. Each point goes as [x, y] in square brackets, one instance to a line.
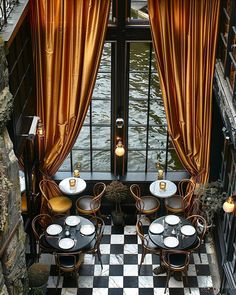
[81, 241]
[185, 242]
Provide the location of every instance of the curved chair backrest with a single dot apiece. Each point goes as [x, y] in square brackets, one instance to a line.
[136, 193]
[140, 233]
[49, 189]
[99, 225]
[98, 191]
[200, 225]
[186, 189]
[176, 260]
[40, 223]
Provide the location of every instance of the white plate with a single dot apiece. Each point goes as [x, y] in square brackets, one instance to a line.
[87, 229]
[156, 228]
[54, 229]
[188, 230]
[66, 243]
[72, 220]
[171, 242]
[172, 219]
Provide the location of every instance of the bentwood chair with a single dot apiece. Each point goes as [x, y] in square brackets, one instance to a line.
[144, 204]
[68, 263]
[179, 203]
[89, 204]
[176, 261]
[39, 225]
[148, 247]
[56, 202]
[94, 246]
[200, 225]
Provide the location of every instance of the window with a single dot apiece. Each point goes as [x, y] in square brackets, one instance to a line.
[127, 87]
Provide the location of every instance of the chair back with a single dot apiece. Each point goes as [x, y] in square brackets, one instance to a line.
[186, 189]
[176, 260]
[39, 224]
[49, 189]
[99, 226]
[200, 225]
[136, 193]
[98, 191]
[140, 233]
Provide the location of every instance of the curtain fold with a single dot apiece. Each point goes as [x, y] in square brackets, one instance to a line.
[184, 34]
[68, 39]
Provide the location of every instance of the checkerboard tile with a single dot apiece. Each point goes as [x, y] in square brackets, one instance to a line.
[121, 254]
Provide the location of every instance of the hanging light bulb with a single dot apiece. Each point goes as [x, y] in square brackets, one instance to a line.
[119, 150]
[228, 205]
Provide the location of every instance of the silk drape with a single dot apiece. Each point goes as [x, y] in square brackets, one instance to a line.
[68, 39]
[184, 35]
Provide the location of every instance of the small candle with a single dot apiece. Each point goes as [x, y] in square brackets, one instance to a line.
[162, 185]
[72, 183]
[160, 174]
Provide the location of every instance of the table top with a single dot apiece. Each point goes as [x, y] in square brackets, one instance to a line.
[184, 241]
[79, 187]
[169, 191]
[81, 240]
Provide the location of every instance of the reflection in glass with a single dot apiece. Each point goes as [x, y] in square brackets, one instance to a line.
[81, 156]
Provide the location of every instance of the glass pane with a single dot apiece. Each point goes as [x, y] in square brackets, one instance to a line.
[101, 161]
[139, 9]
[155, 157]
[157, 115]
[105, 64]
[157, 138]
[87, 121]
[101, 113]
[83, 157]
[139, 56]
[138, 86]
[102, 88]
[101, 137]
[83, 140]
[137, 137]
[136, 161]
[65, 165]
[173, 162]
[155, 88]
[138, 112]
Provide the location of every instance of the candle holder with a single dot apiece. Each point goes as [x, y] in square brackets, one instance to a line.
[72, 183]
[76, 171]
[162, 185]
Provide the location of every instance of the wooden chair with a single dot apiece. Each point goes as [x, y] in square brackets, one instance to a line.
[147, 245]
[68, 263]
[179, 203]
[39, 225]
[144, 204]
[200, 225]
[56, 202]
[91, 204]
[94, 247]
[176, 261]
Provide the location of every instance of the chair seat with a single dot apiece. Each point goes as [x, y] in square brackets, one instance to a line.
[66, 261]
[60, 204]
[86, 203]
[175, 202]
[150, 203]
[177, 260]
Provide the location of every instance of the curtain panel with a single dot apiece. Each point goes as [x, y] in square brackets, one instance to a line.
[184, 34]
[68, 39]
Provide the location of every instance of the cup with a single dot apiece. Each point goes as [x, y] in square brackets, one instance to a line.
[162, 185]
[72, 183]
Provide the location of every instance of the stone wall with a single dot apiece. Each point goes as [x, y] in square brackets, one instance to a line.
[13, 273]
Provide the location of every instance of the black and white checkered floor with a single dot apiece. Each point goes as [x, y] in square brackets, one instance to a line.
[121, 253]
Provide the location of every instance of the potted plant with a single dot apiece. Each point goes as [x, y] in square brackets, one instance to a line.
[116, 191]
[208, 201]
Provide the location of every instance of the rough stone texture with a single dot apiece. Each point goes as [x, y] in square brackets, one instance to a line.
[13, 272]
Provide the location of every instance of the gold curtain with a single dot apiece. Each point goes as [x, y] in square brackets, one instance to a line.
[68, 39]
[184, 34]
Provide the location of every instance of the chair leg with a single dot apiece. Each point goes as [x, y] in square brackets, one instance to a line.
[142, 259]
[167, 281]
[186, 279]
[58, 277]
[99, 257]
